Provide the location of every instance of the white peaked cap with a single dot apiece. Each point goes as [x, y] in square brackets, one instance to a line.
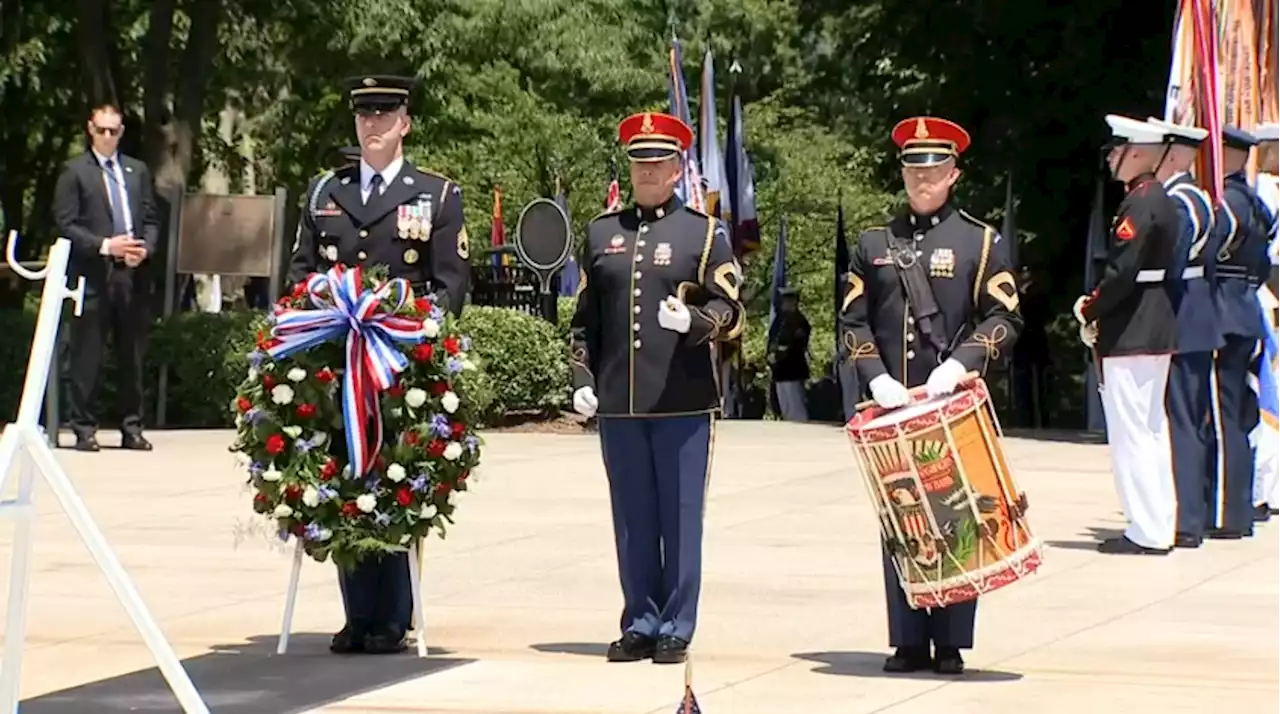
[1267, 132]
[1193, 133]
[1135, 131]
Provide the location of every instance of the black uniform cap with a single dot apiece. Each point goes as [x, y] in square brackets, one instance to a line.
[379, 92]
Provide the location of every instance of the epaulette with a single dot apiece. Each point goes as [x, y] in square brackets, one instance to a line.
[975, 221]
[436, 174]
[607, 212]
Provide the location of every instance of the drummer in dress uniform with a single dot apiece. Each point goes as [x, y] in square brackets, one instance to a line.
[1245, 229]
[382, 210]
[1129, 320]
[957, 313]
[658, 292]
[1191, 278]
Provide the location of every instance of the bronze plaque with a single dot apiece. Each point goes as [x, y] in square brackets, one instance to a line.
[227, 235]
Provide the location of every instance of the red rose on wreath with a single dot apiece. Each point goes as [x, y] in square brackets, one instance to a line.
[306, 411]
[329, 470]
[439, 388]
[457, 430]
[350, 509]
[436, 448]
[452, 345]
[325, 376]
[269, 381]
[404, 496]
[422, 306]
[411, 438]
[275, 444]
[423, 352]
[243, 404]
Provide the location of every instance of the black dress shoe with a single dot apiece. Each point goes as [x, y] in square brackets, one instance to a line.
[908, 659]
[1187, 540]
[1261, 514]
[1226, 534]
[1273, 511]
[633, 647]
[948, 661]
[87, 443]
[1124, 546]
[389, 640]
[670, 650]
[135, 442]
[346, 642]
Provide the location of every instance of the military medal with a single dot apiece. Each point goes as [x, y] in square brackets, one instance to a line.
[662, 254]
[411, 256]
[403, 222]
[424, 206]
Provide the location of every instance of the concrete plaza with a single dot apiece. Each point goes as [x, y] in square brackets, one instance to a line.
[522, 597]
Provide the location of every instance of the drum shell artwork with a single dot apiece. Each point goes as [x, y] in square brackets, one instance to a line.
[949, 509]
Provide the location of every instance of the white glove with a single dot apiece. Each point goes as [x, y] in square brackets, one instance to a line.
[1078, 308]
[1089, 334]
[944, 378]
[889, 392]
[584, 402]
[674, 315]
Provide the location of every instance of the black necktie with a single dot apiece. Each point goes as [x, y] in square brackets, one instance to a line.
[118, 224]
[374, 184]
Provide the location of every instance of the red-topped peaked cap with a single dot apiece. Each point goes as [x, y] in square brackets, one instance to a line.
[929, 141]
[653, 136]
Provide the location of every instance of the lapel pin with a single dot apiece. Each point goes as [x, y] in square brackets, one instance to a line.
[346, 180]
[408, 180]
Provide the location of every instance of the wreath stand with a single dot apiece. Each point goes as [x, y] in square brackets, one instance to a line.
[36, 455]
[419, 623]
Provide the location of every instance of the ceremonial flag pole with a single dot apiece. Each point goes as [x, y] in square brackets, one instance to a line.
[569, 273]
[689, 188]
[712, 161]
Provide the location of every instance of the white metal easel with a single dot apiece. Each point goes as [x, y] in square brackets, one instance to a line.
[37, 455]
[415, 584]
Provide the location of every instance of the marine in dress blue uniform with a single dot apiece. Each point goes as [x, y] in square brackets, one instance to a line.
[1192, 280]
[1130, 321]
[658, 291]
[410, 221]
[1244, 227]
[896, 343]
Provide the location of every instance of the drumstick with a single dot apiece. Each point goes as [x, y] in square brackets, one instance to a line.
[915, 392]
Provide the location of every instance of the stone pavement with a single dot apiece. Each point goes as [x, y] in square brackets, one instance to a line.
[522, 596]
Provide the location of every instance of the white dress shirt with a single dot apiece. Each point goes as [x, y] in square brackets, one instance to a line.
[388, 175]
[116, 174]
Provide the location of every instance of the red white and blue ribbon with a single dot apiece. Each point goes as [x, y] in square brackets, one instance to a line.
[344, 308]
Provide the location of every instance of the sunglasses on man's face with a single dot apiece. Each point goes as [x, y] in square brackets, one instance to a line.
[107, 130]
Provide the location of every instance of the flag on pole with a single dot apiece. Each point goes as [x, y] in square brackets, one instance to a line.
[689, 188]
[613, 195]
[497, 232]
[569, 273]
[841, 267]
[1194, 95]
[688, 705]
[739, 210]
[712, 162]
[779, 279]
[1096, 248]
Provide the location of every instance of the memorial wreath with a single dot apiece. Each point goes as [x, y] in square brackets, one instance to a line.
[353, 417]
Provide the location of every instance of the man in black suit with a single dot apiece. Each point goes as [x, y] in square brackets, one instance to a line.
[104, 204]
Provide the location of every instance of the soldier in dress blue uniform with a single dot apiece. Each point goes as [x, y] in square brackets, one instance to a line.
[1130, 321]
[382, 210]
[1191, 278]
[658, 291]
[1244, 228]
[929, 298]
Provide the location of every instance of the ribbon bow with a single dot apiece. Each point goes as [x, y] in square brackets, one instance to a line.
[345, 307]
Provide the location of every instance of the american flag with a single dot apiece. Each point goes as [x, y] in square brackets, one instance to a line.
[613, 196]
[688, 705]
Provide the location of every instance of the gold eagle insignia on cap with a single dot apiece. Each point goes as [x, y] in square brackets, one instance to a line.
[647, 126]
[370, 82]
[922, 130]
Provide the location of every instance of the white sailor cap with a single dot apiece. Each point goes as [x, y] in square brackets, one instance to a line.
[1267, 132]
[1134, 131]
[1180, 133]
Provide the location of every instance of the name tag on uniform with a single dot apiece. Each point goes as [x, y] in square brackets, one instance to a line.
[882, 260]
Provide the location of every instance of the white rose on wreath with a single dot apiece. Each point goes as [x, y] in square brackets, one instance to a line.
[282, 394]
[415, 398]
[450, 402]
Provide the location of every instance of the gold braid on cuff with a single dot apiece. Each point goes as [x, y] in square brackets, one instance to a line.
[990, 344]
[858, 350]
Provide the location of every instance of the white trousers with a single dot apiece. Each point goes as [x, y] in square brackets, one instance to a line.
[1266, 460]
[1133, 391]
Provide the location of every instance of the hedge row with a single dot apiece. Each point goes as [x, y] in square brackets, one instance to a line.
[522, 361]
